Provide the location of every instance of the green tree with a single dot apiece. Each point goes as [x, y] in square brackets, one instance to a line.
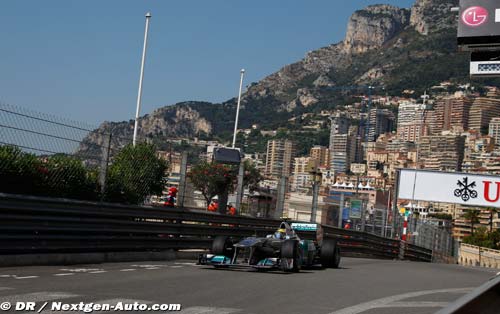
[252, 176]
[212, 179]
[135, 173]
[442, 216]
[21, 172]
[66, 176]
[479, 238]
[473, 217]
[492, 211]
[484, 238]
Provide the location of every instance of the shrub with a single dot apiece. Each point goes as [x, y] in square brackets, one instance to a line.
[21, 173]
[135, 173]
[66, 176]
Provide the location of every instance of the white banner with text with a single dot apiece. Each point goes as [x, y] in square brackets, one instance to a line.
[449, 187]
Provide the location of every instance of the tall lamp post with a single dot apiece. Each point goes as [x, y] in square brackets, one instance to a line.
[141, 77]
[238, 108]
[315, 191]
[422, 123]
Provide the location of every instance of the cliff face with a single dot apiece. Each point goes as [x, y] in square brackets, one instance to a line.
[367, 29]
[384, 45]
[180, 120]
[432, 15]
[374, 26]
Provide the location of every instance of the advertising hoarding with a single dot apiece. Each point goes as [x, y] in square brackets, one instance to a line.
[356, 209]
[304, 226]
[479, 25]
[449, 187]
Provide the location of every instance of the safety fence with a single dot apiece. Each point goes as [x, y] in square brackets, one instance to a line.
[47, 225]
[50, 156]
[430, 234]
[45, 155]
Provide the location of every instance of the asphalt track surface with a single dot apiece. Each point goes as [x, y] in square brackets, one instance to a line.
[359, 286]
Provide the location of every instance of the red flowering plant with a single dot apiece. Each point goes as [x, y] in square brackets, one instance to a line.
[212, 179]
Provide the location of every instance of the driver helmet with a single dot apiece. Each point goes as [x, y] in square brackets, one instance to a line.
[280, 234]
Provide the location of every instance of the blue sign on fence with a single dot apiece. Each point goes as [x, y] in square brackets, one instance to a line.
[345, 213]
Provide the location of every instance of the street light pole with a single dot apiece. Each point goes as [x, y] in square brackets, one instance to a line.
[141, 77]
[238, 108]
[422, 124]
[315, 191]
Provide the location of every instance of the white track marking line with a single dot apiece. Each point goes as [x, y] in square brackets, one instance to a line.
[98, 272]
[152, 268]
[5, 288]
[80, 270]
[147, 266]
[382, 302]
[187, 264]
[7, 276]
[128, 269]
[64, 274]
[414, 304]
[26, 277]
[176, 266]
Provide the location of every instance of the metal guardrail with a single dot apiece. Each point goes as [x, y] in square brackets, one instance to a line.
[363, 244]
[46, 225]
[417, 253]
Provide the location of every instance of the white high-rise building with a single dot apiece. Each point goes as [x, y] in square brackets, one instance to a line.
[410, 125]
[494, 130]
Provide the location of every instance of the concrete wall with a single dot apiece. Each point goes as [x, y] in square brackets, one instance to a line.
[470, 255]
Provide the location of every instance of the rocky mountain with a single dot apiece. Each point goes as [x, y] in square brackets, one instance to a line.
[397, 48]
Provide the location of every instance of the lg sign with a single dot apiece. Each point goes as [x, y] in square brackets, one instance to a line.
[475, 16]
[478, 28]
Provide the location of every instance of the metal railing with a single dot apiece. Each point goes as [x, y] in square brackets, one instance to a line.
[45, 155]
[47, 225]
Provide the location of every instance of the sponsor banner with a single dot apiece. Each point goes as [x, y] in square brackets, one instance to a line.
[449, 187]
[356, 209]
[479, 18]
[304, 226]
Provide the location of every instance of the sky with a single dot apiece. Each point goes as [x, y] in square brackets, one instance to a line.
[81, 59]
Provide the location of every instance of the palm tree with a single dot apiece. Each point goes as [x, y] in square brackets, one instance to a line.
[472, 216]
[492, 211]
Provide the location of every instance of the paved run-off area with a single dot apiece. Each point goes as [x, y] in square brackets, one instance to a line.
[360, 286]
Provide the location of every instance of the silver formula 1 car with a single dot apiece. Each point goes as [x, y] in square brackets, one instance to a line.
[283, 250]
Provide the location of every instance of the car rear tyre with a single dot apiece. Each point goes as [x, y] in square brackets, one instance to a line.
[222, 245]
[330, 254]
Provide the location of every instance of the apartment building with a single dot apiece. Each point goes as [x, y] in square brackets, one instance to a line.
[442, 152]
[279, 158]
